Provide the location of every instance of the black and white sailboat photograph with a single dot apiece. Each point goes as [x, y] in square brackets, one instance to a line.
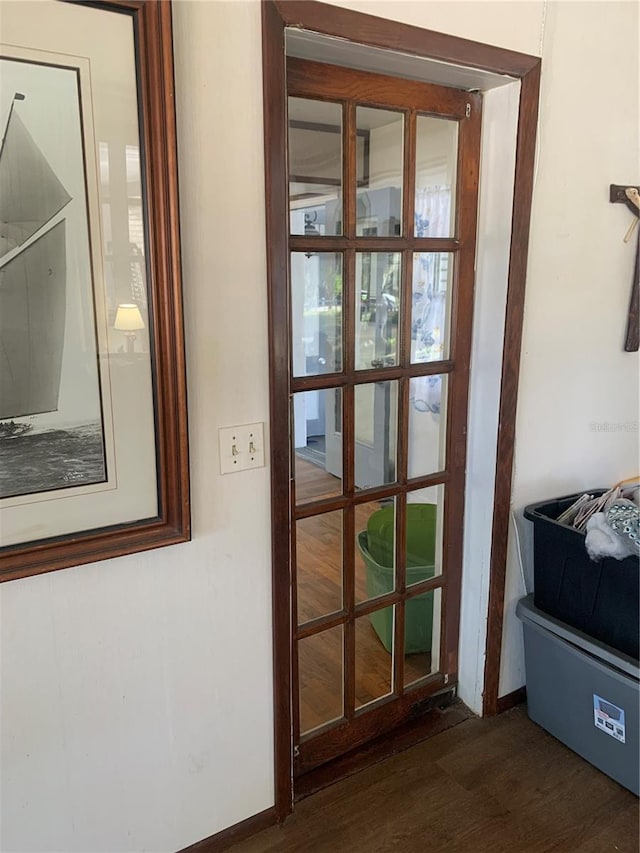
[51, 419]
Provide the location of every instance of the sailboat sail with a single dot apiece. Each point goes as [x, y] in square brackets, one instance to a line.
[30, 191]
[52, 432]
[32, 321]
[33, 279]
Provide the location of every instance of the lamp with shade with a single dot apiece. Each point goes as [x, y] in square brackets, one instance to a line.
[129, 320]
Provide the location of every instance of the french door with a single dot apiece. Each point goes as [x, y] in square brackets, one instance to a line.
[383, 183]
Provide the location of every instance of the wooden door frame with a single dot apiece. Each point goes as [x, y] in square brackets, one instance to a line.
[389, 35]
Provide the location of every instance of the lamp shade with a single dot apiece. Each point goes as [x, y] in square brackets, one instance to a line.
[128, 318]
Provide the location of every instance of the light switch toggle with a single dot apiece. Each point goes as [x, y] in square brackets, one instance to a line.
[241, 447]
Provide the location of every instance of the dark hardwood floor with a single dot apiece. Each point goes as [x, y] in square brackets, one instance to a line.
[496, 785]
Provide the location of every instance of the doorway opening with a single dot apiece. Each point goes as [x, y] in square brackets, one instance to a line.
[338, 384]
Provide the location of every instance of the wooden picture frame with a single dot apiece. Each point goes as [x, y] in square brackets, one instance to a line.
[121, 325]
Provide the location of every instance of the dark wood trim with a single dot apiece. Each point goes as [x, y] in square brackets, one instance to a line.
[458, 389]
[445, 715]
[295, 689]
[376, 374]
[632, 338]
[306, 78]
[157, 93]
[369, 722]
[377, 32]
[302, 243]
[516, 697]
[233, 834]
[392, 35]
[514, 316]
[153, 30]
[349, 196]
[309, 508]
[364, 608]
[349, 633]
[276, 182]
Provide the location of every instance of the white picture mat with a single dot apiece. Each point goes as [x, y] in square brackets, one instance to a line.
[53, 93]
[100, 44]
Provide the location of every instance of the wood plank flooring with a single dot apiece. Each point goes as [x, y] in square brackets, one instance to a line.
[313, 482]
[319, 592]
[498, 785]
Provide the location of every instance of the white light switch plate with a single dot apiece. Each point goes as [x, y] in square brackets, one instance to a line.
[241, 447]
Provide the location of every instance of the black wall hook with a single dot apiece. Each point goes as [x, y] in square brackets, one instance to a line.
[617, 194]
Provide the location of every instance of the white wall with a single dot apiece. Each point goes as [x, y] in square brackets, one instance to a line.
[575, 375]
[499, 128]
[512, 25]
[137, 693]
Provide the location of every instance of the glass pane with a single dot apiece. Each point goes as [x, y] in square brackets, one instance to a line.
[317, 437]
[436, 161]
[319, 565]
[425, 517]
[320, 678]
[378, 296]
[422, 636]
[374, 656]
[316, 313]
[375, 549]
[427, 424]
[431, 306]
[315, 167]
[379, 146]
[376, 412]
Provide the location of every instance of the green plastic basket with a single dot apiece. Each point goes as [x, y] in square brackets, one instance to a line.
[377, 549]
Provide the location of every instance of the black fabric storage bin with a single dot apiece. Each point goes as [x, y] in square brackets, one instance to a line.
[600, 597]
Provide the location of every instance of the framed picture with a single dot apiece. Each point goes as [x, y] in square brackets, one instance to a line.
[93, 434]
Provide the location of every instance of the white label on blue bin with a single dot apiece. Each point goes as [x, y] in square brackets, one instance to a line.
[608, 717]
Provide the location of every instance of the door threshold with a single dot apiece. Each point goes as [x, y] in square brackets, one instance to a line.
[450, 713]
